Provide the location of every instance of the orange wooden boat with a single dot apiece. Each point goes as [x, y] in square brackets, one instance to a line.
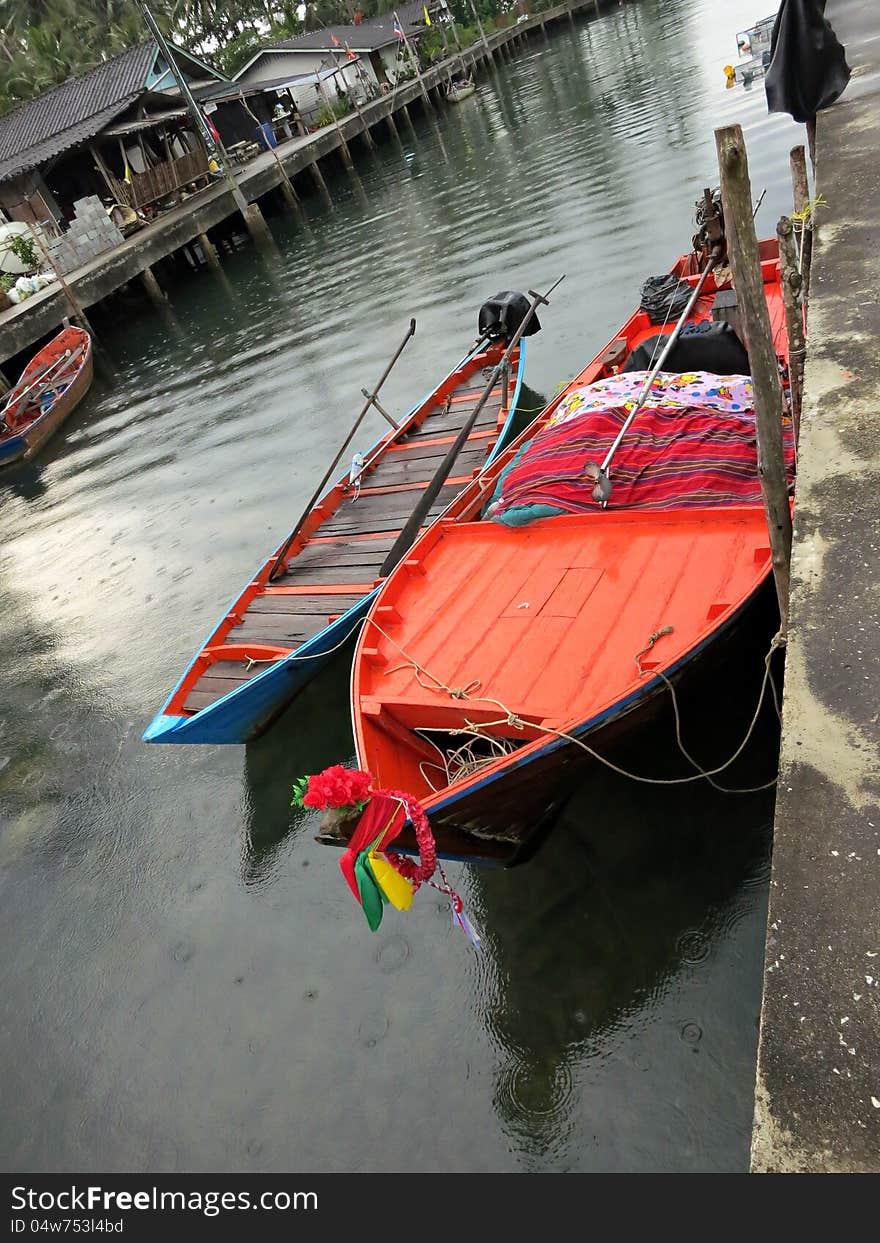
[512, 641]
[51, 387]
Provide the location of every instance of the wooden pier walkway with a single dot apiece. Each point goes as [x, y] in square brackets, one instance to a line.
[27, 323]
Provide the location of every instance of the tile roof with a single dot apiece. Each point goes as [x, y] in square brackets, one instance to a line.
[72, 112]
[361, 38]
[370, 34]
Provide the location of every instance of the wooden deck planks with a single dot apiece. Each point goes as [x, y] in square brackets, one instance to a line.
[334, 556]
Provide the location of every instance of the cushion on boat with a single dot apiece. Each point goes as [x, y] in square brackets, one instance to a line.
[693, 443]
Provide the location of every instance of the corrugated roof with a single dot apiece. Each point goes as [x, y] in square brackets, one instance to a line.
[371, 34]
[76, 110]
[72, 112]
[221, 91]
[361, 38]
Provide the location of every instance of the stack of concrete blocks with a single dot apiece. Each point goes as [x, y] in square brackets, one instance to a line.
[90, 234]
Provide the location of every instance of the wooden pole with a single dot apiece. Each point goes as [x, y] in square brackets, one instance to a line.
[316, 495]
[290, 195]
[407, 536]
[804, 230]
[792, 291]
[154, 290]
[415, 61]
[745, 263]
[209, 251]
[75, 304]
[346, 154]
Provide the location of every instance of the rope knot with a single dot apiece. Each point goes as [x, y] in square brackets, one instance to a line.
[462, 692]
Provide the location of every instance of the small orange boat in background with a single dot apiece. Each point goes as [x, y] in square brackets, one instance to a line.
[51, 387]
[492, 649]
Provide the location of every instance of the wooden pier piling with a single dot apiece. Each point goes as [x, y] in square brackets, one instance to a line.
[255, 223]
[154, 290]
[801, 192]
[745, 262]
[209, 251]
[792, 293]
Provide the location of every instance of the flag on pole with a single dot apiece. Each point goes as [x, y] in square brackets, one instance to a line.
[398, 29]
[427, 17]
[333, 39]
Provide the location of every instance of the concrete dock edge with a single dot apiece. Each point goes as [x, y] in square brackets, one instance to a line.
[817, 1100]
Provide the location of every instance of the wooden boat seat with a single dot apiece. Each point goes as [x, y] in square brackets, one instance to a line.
[433, 712]
[613, 358]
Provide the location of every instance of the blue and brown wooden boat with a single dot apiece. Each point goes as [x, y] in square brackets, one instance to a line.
[51, 387]
[312, 593]
[493, 650]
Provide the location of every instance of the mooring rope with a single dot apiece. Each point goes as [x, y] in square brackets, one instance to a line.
[513, 720]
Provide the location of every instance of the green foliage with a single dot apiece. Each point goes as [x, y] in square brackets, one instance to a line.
[44, 42]
[7, 280]
[24, 250]
[327, 115]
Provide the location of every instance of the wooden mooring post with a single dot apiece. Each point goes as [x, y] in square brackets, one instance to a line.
[745, 263]
[291, 197]
[801, 191]
[792, 291]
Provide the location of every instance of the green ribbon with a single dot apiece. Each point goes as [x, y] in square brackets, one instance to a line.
[370, 892]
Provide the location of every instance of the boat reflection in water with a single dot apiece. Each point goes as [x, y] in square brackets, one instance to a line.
[314, 732]
[611, 960]
[610, 1016]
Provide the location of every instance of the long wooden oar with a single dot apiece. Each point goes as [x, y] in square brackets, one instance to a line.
[15, 397]
[602, 489]
[407, 536]
[316, 495]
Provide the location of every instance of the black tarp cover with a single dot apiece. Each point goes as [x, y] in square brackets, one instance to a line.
[808, 68]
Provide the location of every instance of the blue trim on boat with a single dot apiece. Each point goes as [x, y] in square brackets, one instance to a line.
[239, 714]
[13, 448]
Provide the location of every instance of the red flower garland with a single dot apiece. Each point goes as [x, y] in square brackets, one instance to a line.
[427, 864]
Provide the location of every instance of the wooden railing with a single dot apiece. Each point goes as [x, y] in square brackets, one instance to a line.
[162, 180]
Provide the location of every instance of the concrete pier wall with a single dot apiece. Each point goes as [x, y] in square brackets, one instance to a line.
[818, 1081]
[28, 322]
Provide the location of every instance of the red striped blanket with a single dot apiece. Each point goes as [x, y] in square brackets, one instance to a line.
[693, 444]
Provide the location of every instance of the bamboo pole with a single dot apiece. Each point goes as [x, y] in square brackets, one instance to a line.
[413, 524]
[804, 233]
[415, 62]
[316, 495]
[75, 304]
[352, 89]
[745, 263]
[290, 194]
[792, 293]
[483, 38]
[346, 154]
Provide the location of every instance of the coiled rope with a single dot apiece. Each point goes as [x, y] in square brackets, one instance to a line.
[514, 721]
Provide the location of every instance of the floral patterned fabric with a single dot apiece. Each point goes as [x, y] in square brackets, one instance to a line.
[693, 443]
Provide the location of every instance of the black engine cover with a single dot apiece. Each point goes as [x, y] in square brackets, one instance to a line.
[502, 315]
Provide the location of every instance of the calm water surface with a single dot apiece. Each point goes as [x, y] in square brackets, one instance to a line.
[187, 983]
